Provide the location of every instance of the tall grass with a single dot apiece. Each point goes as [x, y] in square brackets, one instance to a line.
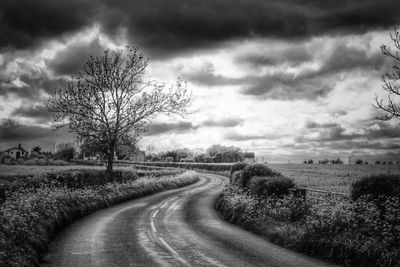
[30, 217]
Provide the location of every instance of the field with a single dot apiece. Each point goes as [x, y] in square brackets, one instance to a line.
[336, 178]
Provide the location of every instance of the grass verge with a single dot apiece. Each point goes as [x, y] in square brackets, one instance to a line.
[30, 218]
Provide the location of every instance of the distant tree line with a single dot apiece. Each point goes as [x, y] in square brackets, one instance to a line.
[214, 154]
[324, 161]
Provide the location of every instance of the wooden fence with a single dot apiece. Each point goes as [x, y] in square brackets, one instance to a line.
[317, 195]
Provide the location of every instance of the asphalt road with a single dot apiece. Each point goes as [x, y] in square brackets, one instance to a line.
[173, 228]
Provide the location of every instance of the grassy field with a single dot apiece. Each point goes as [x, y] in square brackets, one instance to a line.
[331, 177]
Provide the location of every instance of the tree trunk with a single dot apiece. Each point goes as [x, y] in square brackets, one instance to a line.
[110, 162]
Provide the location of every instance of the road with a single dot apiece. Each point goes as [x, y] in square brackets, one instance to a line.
[174, 228]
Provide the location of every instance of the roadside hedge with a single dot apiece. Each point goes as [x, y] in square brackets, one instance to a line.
[376, 186]
[218, 167]
[253, 170]
[270, 186]
[31, 217]
[352, 233]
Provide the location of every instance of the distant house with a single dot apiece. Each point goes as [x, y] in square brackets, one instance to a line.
[17, 152]
[249, 157]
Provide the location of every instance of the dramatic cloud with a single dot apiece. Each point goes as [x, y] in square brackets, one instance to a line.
[10, 130]
[166, 27]
[293, 55]
[31, 88]
[173, 26]
[206, 76]
[25, 23]
[229, 122]
[157, 128]
[13, 133]
[37, 112]
[72, 59]
[234, 136]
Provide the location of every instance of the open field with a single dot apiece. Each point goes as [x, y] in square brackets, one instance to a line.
[336, 178]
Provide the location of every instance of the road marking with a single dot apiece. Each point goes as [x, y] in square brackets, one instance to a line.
[154, 214]
[165, 204]
[152, 226]
[168, 246]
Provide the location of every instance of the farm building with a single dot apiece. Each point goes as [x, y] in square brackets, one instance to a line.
[17, 152]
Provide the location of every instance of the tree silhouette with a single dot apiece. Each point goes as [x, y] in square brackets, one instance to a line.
[109, 103]
[391, 106]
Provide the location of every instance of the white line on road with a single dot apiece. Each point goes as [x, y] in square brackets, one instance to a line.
[152, 226]
[165, 204]
[168, 246]
[154, 214]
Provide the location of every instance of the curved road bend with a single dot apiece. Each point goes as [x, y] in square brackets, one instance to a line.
[174, 228]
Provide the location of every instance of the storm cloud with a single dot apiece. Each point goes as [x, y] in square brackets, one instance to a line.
[27, 23]
[168, 27]
[36, 112]
[157, 128]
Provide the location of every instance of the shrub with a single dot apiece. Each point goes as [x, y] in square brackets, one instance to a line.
[238, 166]
[376, 186]
[235, 178]
[7, 159]
[257, 169]
[270, 186]
[169, 159]
[359, 161]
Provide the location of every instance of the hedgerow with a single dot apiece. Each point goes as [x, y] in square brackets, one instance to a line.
[373, 187]
[218, 167]
[353, 233]
[74, 178]
[30, 217]
[257, 169]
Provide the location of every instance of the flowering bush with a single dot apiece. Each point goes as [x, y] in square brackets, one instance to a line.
[31, 216]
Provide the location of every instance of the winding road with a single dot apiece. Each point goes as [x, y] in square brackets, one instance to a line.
[174, 228]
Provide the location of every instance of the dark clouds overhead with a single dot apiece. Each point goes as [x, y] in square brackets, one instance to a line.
[72, 59]
[12, 131]
[157, 128]
[176, 25]
[36, 112]
[168, 27]
[24, 23]
[32, 87]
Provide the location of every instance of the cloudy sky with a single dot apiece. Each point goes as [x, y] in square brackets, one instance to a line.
[287, 79]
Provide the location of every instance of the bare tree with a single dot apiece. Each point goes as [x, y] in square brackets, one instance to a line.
[110, 104]
[391, 106]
